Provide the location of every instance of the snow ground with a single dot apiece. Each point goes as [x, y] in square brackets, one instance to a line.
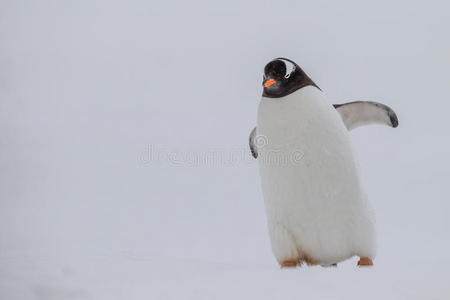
[129, 276]
[124, 166]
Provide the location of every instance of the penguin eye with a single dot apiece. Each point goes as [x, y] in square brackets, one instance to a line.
[287, 75]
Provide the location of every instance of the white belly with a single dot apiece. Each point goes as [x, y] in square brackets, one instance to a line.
[316, 208]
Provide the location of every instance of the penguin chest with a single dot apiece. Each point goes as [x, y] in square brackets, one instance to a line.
[304, 147]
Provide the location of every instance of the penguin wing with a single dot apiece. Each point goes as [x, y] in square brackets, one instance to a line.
[359, 113]
[251, 142]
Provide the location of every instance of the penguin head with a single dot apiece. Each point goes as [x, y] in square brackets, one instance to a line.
[282, 77]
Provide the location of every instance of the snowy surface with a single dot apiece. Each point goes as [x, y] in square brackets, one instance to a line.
[130, 276]
[124, 167]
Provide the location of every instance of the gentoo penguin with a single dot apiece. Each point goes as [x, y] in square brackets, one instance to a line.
[316, 207]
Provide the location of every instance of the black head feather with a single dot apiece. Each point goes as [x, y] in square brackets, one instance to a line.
[282, 77]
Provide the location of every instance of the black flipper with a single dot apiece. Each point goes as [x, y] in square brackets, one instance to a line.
[251, 142]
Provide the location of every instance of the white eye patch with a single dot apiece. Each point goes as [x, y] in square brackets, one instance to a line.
[290, 67]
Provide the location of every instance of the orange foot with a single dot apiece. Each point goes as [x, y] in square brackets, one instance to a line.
[289, 264]
[365, 262]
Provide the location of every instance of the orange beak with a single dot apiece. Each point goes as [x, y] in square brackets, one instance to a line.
[269, 82]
